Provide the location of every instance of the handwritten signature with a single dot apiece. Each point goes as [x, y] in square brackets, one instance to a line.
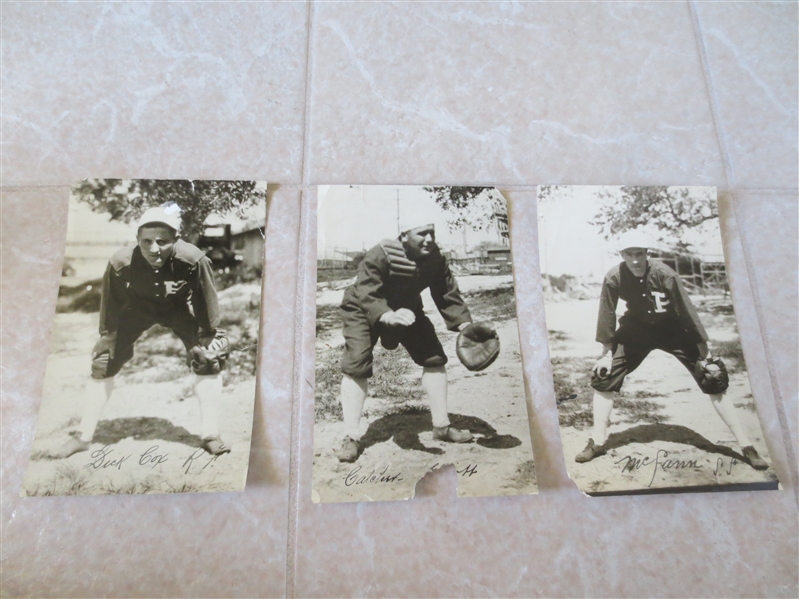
[356, 478]
[102, 458]
[662, 461]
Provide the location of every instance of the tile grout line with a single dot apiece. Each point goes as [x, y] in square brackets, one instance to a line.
[751, 273]
[292, 520]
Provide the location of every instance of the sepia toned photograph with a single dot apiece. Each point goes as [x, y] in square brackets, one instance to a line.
[649, 372]
[417, 345]
[150, 381]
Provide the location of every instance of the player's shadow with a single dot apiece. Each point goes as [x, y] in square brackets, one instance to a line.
[406, 427]
[144, 428]
[673, 433]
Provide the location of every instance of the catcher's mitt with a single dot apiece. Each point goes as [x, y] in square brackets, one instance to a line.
[478, 345]
[711, 374]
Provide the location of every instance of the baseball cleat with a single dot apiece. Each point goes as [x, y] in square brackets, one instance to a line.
[451, 435]
[215, 445]
[349, 450]
[70, 447]
[591, 451]
[754, 459]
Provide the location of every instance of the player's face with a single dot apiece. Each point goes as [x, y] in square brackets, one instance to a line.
[419, 242]
[157, 242]
[635, 259]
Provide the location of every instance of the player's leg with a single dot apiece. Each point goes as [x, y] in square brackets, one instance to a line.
[687, 353]
[626, 358]
[108, 357]
[356, 367]
[207, 364]
[425, 349]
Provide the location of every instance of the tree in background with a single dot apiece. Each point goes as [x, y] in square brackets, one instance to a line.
[670, 210]
[473, 207]
[127, 199]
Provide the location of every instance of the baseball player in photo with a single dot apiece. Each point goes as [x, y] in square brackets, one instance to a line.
[161, 280]
[659, 315]
[385, 304]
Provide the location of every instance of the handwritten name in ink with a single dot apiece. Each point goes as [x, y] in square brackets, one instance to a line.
[661, 460]
[356, 478]
[107, 457]
[467, 471]
[200, 459]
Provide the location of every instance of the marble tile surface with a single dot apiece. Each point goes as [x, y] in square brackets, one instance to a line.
[521, 93]
[185, 90]
[752, 54]
[199, 545]
[507, 94]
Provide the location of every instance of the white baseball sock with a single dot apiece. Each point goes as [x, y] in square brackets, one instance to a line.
[208, 389]
[602, 407]
[434, 383]
[729, 414]
[95, 396]
[353, 395]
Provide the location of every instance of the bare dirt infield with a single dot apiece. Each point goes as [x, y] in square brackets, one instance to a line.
[398, 448]
[664, 432]
[147, 438]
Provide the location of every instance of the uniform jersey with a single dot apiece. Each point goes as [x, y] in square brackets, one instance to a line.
[657, 300]
[388, 280]
[186, 278]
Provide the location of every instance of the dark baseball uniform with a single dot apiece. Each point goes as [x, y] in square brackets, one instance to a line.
[659, 315]
[179, 295]
[389, 280]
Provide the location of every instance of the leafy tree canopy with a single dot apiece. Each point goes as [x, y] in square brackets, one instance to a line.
[473, 207]
[127, 199]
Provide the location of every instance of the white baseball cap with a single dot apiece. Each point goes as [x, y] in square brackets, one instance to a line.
[164, 215]
[635, 238]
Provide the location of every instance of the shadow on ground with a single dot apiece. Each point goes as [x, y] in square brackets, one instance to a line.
[143, 429]
[405, 427]
[674, 433]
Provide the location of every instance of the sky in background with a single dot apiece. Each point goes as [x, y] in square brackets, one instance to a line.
[569, 244]
[358, 217]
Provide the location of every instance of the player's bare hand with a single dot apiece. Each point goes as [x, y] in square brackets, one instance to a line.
[602, 366]
[399, 318]
[105, 344]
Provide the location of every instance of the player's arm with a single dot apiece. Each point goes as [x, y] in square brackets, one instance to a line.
[606, 324]
[370, 289]
[448, 299]
[205, 303]
[112, 300]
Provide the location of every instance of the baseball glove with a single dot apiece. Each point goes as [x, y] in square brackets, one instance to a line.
[711, 374]
[478, 345]
[209, 356]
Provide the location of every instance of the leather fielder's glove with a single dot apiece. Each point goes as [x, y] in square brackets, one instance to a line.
[478, 345]
[209, 356]
[712, 375]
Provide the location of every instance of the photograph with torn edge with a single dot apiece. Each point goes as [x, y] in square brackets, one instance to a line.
[417, 347]
[649, 373]
[150, 380]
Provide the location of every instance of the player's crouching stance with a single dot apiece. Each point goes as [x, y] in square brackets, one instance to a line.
[385, 303]
[659, 315]
[154, 283]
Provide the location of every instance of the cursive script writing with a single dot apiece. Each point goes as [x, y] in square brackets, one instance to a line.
[152, 459]
[196, 456]
[101, 459]
[356, 478]
[467, 470]
[661, 460]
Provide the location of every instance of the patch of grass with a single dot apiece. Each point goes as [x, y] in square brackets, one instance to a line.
[635, 409]
[496, 305]
[328, 386]
[732, 353]
[325, 275]
[525, 475]
[557, 335]
[327, 317]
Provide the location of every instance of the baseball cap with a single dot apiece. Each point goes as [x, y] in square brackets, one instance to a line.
[164, 215]
[635, 238]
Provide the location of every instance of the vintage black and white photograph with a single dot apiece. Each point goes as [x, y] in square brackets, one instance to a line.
[150, 381]
[417, 346]
[650, 379]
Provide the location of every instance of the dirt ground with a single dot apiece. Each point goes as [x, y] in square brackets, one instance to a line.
[147, 438]
[397, 430]
[664, 433]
